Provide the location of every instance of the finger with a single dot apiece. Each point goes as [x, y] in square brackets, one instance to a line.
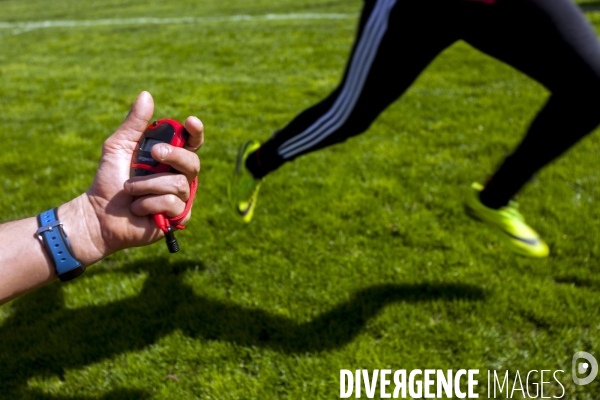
[187, 218]
[181, 159]
[137, 120]
[196, 130]
[156, 204]
[163, 183]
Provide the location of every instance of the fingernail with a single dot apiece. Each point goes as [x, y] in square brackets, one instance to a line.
[162, 151]
[128, 186]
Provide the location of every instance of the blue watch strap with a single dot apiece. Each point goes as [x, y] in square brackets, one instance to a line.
[57, 244]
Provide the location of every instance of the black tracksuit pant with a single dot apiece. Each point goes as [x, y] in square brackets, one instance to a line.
[549, 40]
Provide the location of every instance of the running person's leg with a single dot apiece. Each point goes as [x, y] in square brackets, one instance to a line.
[552, 42]
[396, 40]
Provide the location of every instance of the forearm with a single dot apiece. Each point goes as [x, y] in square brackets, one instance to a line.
[24, 262]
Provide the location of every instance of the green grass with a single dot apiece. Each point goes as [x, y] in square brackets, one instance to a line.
[360, 255]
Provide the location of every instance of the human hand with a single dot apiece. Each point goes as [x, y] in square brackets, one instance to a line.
[114, 213]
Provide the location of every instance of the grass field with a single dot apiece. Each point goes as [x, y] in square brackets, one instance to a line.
[359, 257]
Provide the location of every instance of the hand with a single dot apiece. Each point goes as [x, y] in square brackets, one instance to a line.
[114, 213]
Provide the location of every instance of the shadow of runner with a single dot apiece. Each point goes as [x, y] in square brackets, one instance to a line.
[118, 394]
[42, 338]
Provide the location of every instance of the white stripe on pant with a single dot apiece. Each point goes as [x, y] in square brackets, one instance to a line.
[365, 53]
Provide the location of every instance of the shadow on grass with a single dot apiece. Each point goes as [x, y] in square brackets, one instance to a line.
[119, 394]
[578, 282]
[590, 5]
[43, 338]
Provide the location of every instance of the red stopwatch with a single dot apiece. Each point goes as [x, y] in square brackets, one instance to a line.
[162, 131]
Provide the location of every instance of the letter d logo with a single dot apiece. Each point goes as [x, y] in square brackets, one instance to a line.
[591, 366]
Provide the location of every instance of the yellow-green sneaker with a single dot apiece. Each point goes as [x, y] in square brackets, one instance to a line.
[243, 187]
[516, 234]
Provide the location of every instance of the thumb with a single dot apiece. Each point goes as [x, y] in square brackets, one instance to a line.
[137, 120]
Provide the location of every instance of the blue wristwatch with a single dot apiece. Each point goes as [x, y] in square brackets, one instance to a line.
[57, 244]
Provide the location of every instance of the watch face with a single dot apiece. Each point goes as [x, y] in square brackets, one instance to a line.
[148, 143]
[163, 132]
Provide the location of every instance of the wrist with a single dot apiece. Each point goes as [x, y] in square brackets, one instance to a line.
[83, 230]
